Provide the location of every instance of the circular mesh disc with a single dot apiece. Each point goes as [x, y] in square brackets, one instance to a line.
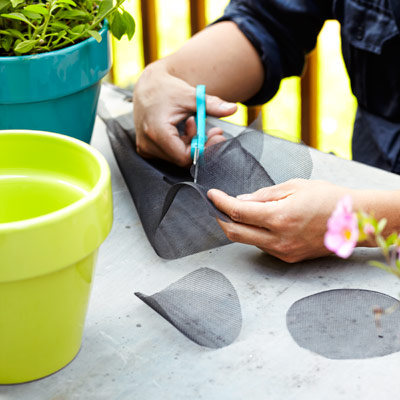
[341, 324]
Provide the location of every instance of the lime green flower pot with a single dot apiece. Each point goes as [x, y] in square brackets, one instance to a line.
[55, 211]
[56, 91]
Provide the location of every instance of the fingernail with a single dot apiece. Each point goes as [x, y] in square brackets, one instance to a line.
[243, 197]
[226, 106]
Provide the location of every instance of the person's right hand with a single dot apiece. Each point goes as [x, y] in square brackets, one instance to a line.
[161, 101]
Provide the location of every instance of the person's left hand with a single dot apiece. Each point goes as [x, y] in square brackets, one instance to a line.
[287, 221]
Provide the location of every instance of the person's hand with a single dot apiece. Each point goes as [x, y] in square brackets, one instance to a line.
[287, 221]
[161, 101]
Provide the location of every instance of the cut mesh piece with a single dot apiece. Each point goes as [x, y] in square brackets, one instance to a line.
[180, 220]
[340, 324]
[285, 160]
[233, 166]
[203, 305]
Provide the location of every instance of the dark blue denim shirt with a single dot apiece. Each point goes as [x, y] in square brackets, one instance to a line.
[284, 31]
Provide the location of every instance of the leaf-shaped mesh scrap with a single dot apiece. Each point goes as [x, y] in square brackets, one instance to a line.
[203, 305]
[341, 324]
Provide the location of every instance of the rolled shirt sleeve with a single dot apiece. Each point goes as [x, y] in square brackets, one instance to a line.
[282, 32]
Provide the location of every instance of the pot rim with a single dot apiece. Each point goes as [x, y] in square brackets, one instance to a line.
[76, 205]
[54, 74]
[55, 240]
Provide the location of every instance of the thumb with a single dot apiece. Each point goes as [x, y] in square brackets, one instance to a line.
[217, 107]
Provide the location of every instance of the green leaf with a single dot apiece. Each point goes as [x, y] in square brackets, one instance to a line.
[6, 42]
[78, 29]
[381, 242]
[58, 25]
[17, 16]
[16, 33]
[31, 14]
[381, 225]
[70, 2]
[96, 35]
[25, 46]
[60, 36]
[38, 9]
[391, 239]
[65, 4]
[16, 3]
[380, 265]
[130, 24]
[4, 4]
[362, 214]
[73, 14]
[104, 7]
[117, 25]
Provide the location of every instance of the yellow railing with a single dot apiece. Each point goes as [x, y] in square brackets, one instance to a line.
[316, 111]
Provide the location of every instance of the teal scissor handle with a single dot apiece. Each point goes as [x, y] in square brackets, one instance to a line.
[200, 139]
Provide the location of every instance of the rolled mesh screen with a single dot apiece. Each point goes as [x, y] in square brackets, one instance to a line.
[175, 212]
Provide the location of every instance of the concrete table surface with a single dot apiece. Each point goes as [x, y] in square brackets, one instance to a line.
[130, 352]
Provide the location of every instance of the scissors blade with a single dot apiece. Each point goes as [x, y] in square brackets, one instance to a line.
[195, 163]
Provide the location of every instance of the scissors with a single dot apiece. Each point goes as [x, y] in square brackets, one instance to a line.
[198, 142]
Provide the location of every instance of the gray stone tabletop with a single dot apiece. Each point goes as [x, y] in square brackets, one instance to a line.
[130, 352]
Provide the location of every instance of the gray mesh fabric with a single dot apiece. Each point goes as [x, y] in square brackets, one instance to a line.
[203, 305]
[175, 213]
[340, 324]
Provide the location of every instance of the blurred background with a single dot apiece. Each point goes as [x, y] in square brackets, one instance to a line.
[318, 108]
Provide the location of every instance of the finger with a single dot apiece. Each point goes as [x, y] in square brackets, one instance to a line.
[214, 140]
[218, 107]
[269, 242]
[177, 151]
[214, 135]
[215, 106]
[246, 212]
[216, 130]
[170, 147]
[148, 149]
[190, 131]
[151, 150]
[190, 128]
[276, 192]
[247, 234]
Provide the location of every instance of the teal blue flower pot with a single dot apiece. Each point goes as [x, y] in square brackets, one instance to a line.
[56, 91]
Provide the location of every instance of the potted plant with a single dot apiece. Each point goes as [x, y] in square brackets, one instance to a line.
[53, 55]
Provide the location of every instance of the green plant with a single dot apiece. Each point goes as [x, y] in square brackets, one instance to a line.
[390, 246]
[38, 26]
[346, 228]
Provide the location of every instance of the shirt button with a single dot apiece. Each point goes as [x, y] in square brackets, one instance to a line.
[360, 32]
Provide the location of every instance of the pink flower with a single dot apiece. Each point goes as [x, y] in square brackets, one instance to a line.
[342, 234]
[368, 229]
